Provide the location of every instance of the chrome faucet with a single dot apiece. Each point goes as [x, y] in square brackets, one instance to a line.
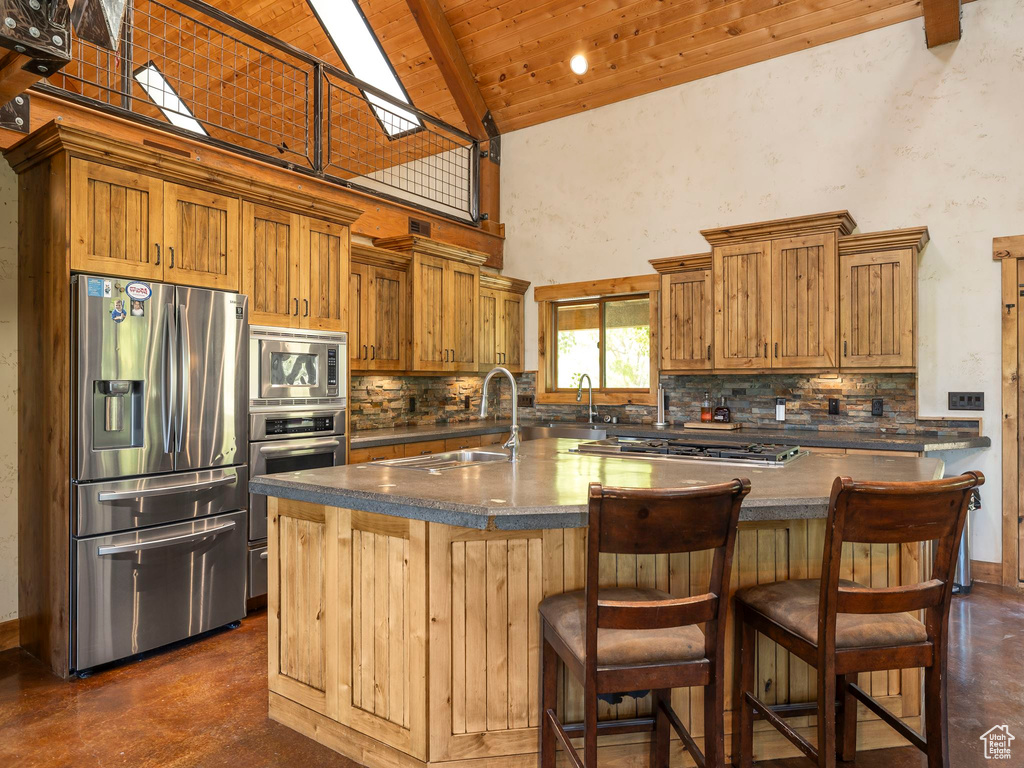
[512, 444]
[591, 413]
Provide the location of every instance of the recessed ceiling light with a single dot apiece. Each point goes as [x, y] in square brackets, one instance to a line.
[578, 64]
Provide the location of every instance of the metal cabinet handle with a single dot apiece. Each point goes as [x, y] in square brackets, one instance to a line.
[373, 352]
[158, 254]
[296, 312]
[844, 349]
[709, 351]
[264, 555]
[306, 302]
[169, 541]
[425, 453]
[165, 491]
[776, 349]
[171, 249]
[446, 355]
[766, 349]
[453, 354]
[304, 448]
[365, 356]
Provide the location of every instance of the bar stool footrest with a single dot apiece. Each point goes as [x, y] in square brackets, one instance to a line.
[780, 725]
[888, 717]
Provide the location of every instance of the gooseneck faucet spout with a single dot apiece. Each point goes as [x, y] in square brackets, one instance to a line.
[512, 444]
[591, 413]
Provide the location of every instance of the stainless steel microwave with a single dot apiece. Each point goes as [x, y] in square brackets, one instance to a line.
[297, 366]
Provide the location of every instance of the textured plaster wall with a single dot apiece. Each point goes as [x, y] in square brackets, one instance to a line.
[898, 134]
[8, 393]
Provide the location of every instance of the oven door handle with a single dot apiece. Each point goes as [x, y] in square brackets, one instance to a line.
[166, 490]
[304, 448]
[118, 549]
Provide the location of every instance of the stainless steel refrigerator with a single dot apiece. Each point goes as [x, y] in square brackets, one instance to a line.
[159, 498]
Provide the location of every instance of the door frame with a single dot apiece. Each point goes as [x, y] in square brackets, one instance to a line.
[1010, 252]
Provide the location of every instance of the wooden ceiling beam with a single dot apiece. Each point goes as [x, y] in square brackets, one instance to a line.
[451, 61]
[941, 21]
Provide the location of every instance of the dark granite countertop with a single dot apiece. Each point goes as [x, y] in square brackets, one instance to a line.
[547, 487]
[878, 441]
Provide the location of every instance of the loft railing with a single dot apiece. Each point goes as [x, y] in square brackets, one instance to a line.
[188, 68]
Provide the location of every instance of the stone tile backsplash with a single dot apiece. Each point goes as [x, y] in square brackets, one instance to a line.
[385, 401]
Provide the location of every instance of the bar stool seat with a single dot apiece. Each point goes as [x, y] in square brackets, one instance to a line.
[793, 605]
[566, 615]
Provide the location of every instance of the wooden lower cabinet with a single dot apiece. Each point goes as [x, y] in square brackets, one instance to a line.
[415, 623]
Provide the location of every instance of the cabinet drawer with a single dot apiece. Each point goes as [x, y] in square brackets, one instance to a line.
[495, 439]
[425, 447]
[460, 443]
[362, 455]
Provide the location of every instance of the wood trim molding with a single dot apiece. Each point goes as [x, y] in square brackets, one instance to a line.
[9, 635]
[890, 240]
[988, 573]
[1008, 247]
[612, 287]
[499, 282]
[1010, 254]
[840, 222]
[941, 21]
[427, 246]
[362, 253]
[674, 264]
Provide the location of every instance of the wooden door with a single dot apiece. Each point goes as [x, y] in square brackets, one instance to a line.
[804, 297]
[387, 297]
[742, 281]
[462, 315]
[116, 221]
[876, 309]
[270, 275]
[430, 348]
[201, 233]
[324, 262]
[512, 331]
[490, 328]
[686, 320]
[359, 320]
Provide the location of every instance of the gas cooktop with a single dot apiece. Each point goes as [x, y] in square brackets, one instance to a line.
[765, 454]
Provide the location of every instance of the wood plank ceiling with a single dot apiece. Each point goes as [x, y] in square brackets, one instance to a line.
[518, 50]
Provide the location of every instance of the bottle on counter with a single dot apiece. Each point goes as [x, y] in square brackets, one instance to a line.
[722, 412]
[705, 408]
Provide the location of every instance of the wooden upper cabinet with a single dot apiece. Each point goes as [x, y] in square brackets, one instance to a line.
[201, 234]
[460, 309]
[490, 332]
[116, 221]
[360, 276]
[804, 296]
[512, 339]
[387, 313]
[323, 269]
[501, 322]
[878, 298]
[430, 348]
[270, 246]
[687, 320]
[743, 298]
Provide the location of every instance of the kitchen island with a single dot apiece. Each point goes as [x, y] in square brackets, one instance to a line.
[403, 602]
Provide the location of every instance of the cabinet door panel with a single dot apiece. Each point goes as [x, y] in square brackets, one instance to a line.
[742, 281]
[271, 273]
[804, 302]
[512, 332]
[430, 348]
[387, 299]
[462, 311]
[490, 332]
[116, 221]
[359, 321]
[686, 320]
[201, 232]
[325, 258]
[877, 309]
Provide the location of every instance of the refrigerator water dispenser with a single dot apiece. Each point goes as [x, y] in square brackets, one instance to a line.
[117, 414]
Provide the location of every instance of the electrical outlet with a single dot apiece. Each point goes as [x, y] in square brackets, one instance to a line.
[833, 406]
[525, 401]
[412, 404]
[967, 401]
[877, 407]
[467, 402]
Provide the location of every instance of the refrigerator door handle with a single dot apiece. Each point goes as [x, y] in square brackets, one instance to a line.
[170, 377]
[118, 549]
[183, 348]
[165, 491]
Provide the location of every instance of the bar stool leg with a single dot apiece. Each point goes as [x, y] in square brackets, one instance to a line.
[826, 715]
[660, 737]
[714, 711]
[935, 710]
[743, 681]
[589, 727]
[549, 700]
[846, 725]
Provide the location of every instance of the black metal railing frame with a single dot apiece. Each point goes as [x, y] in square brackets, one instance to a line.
[317, 149]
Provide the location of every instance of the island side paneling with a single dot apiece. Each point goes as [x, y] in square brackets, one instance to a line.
[419, 642]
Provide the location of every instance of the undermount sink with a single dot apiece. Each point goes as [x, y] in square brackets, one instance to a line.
[449, 460]
[574, 431]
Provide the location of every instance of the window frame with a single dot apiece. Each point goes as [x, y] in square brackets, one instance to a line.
[550, 297]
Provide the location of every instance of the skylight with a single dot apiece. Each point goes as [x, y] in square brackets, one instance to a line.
[358, 47]
[166, 98]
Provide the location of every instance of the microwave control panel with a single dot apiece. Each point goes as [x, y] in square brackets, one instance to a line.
[300, 425]
[332, 367]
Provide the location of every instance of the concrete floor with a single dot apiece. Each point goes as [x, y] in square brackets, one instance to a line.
[205, 703]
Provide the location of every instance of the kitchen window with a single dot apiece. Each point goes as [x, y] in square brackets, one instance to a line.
[608, 336]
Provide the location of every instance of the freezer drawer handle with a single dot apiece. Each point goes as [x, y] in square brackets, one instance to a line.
[263, 555]
[166, 490]
[169, 541]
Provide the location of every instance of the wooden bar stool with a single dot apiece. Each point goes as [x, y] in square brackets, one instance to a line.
[617, 640]
[842, 628]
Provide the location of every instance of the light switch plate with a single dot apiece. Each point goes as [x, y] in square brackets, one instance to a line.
[967, 401]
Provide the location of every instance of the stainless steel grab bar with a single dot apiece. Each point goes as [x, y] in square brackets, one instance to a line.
[302, 449]
[183, 344]
[118, 549]
[167, 402]
[166, 490]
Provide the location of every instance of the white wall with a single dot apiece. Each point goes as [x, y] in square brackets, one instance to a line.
[8, 393]
[878, 124]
